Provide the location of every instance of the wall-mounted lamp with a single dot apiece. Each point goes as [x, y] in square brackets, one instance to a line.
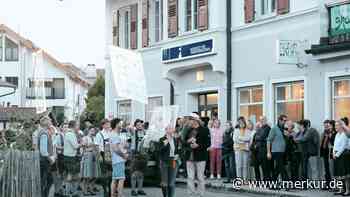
[200, 76]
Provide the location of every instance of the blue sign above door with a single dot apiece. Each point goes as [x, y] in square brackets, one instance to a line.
[192, 50]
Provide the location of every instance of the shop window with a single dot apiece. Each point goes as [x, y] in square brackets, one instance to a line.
[341, 98]
[289, 100]
[250, 101]
[153, 103]
[125, 111]
[11, 50]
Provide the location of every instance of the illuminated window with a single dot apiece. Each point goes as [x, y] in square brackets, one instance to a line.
[341, 98]
[250, 101]
[289, 100]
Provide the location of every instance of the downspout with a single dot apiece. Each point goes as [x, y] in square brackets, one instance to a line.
[229, 59]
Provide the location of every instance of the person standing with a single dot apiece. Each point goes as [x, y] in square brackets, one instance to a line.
[70, 153]
[242, 139]
[102, 139]
[45, 147]
[119, 157]
[90, 168]
[138, 161]
[341, 166]
[196, 142]
[293, 152]
[260, 151]
[276, 147]
[3, 141]
[325, 149]
[216, 133]
[228, 154]
[58, 143]
[168, 154]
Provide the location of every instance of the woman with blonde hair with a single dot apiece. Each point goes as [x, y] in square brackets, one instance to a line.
[242, 139]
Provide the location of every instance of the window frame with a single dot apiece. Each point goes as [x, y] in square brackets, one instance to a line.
[270, 12]
[250, 103]
[127, 114]
[12, 57]
[124, 28]
[158, 19]
[333, 96]
[193, 15]
[2, 48]
[7, 79]
[288, 100]
[147, 111]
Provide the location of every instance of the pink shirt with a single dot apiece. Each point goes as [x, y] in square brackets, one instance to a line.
[216, 137]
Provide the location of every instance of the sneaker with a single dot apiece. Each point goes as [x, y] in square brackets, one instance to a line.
[219, 176]
[141, 192]
[211, 176]
[133, 193]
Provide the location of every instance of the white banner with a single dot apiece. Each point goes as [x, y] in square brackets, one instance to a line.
[162, 118]
[38, 90]
[128, 74]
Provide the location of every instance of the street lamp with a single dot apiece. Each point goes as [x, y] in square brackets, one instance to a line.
[6, 88]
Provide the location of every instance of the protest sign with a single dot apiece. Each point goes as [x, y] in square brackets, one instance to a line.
[128, 74]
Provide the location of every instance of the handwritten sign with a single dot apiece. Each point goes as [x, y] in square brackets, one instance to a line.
[128, 74]
[162, 118]
[287, 51]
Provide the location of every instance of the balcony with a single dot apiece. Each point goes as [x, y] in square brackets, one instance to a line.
[50, 93]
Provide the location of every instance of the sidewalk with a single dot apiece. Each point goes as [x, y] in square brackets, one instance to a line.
[219, 185]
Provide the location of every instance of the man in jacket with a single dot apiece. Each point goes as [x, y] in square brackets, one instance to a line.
[260, 151]
[197, 142]
[228, 154]
[310, 142]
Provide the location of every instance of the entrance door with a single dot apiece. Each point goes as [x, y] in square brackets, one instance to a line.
[208, 105]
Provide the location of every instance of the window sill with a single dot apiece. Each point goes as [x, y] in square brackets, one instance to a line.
[265, 17]
[187, 33]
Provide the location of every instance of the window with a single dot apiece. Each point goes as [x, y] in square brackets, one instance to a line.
[124, 111]
[124, 27]
[12, 80]
[115, 28]
[250, 101]
[126, 30]
[289, 100]
[341, 98]
[265, 8]
[11, 50]
[191, 15]
[1, 48]
[158, 20]
[153, 103]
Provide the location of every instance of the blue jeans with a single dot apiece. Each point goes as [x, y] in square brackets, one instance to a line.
[230, 166]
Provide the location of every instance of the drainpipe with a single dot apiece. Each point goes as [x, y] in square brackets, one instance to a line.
[229, 59]
[172, 94]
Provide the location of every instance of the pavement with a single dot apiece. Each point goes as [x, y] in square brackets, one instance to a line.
[218, 185]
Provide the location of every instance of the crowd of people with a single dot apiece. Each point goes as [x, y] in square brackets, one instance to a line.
[200, 149]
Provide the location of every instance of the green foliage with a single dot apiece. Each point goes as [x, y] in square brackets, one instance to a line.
[95, 104]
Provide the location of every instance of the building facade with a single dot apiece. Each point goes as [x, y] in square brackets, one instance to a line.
[65, 86]
[285, 60]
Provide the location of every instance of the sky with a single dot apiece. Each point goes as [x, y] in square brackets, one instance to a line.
[70, 30]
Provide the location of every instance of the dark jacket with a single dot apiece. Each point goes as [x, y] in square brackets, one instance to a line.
[326, 151]
[259, 140]
[227, 143]
[203, 140]
[311, 142]
[164, 150]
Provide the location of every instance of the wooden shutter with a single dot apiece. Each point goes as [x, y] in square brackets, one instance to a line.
[172, 18]
[133, 26]
[145, 23]
[249, 10]
[115, 30]
[282, 6]
[202, 15]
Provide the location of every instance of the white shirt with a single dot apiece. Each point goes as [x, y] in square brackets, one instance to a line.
[70, 144]
[101, 140]
[341, 142]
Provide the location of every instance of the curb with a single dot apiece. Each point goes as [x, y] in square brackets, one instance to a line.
[228, 188]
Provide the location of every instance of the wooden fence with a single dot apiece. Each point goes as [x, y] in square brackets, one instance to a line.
[19, 174]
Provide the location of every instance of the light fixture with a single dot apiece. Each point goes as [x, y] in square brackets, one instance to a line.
[200, 76]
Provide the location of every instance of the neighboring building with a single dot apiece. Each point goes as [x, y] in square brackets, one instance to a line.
[65, 86]
[183, 44]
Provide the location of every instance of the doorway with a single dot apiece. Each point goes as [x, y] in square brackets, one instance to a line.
[208, 105]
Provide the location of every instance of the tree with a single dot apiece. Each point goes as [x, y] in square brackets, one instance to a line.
[95, 103]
